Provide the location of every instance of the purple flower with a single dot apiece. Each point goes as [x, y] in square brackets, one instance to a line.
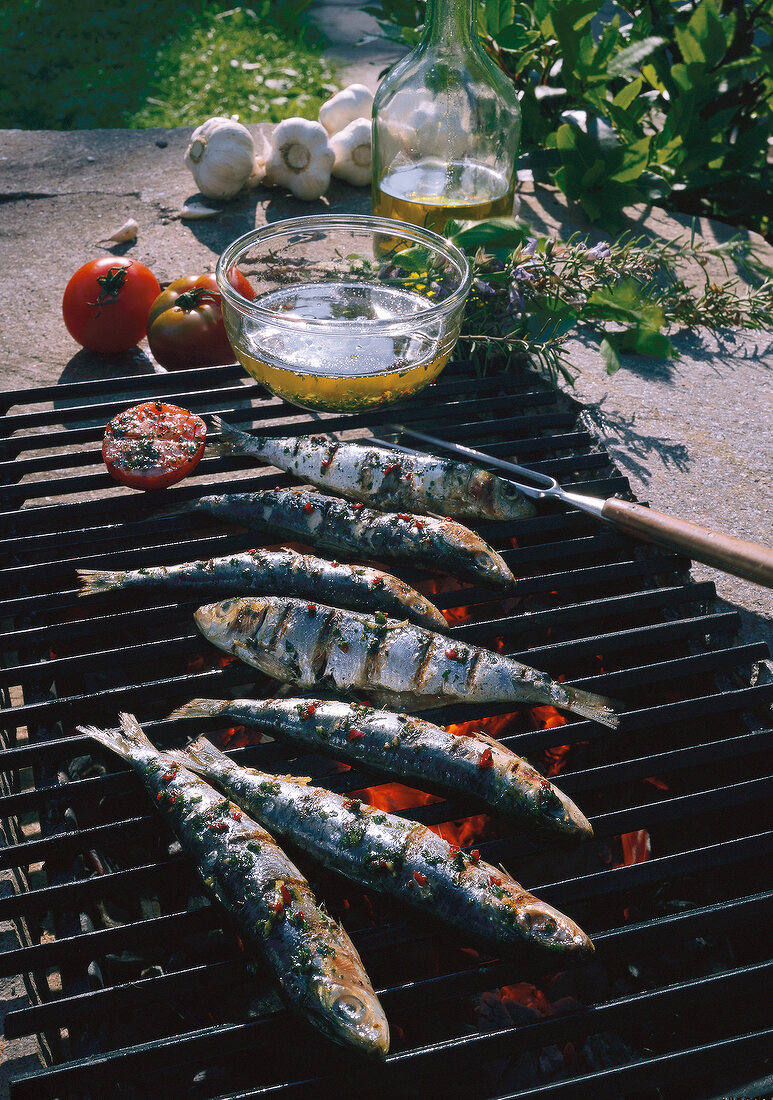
[600, 251]
[530, 247]
[486, 290]
[522, 275]
[515, 302]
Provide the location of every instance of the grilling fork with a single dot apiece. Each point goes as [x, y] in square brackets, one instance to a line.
[744, 559]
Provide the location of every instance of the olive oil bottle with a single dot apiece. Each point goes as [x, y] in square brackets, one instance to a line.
[446, 124]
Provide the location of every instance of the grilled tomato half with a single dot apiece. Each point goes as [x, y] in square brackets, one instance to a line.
[153, 445]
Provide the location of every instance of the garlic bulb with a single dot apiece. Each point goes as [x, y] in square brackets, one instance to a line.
[301, 158]
[221, 156]
[352, 148]
[344, 107]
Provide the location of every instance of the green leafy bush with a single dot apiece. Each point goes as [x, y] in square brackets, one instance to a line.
[667, 102]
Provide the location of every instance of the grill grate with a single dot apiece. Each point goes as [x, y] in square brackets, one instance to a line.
[678, 989]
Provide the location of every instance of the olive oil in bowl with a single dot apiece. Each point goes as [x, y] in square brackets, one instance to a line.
[342, 372]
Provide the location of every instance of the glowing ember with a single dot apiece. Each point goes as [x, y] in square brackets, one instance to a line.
[394, 797]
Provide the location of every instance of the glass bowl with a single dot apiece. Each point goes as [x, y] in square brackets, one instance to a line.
[350, 311]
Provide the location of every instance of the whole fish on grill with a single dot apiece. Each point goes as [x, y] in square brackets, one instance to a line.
[275, 572]
[396, 664]
[304, 515]
[398, 857]
[409, 749]
[387, 479]
[312, 958]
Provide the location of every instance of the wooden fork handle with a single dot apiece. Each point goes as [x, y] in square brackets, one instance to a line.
[732, 555]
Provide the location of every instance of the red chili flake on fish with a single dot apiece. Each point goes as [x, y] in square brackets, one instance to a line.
[218, 826]
[392, 468]
[420, 879]
[377, 581]
[494, 881]
[475, 856]
[325, 463]
[311, 608]
[308, 506]
[308, 711]
[486, 759]
[454, 849]
[287, 897]
[355, 735]
[404, 516]
[452, 654]
[167, 777]
[236, 815]
[358, 506]
[334, 563]
[344, 647]
[420, 524]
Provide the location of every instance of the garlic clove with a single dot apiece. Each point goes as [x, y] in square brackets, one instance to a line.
[195, 212]
[127, 232]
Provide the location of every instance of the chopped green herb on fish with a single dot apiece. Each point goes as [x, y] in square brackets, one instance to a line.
[408, 749]
[402, 858]
[395, 664]
[311, 957]
[304, 515]
[276, 572]
[362, 471]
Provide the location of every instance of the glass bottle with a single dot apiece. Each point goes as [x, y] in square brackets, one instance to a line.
[446, 123]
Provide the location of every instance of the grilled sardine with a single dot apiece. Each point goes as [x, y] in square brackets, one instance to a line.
[303, 515]
[408, 749]
[272, 572]
[387, 479]
[311, 957]
[396, 664]
[403, 858]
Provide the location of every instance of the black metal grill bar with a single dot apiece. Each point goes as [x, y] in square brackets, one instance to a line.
[231, 400]
[704, 921]
[209, 1043]
[65, 951]
[275, 754]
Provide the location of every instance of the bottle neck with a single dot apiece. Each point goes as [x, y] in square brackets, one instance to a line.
[450, 22]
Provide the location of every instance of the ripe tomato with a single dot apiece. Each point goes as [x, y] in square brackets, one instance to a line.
[153, 445]
[185, 323]
[106, 302]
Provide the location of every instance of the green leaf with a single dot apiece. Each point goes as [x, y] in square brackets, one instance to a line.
[492, 233]
[610, 357]
[628, 94]
[495, 15]
[635, 160]
[629, 60]
[703, 39]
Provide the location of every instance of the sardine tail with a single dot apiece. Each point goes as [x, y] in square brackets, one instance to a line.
[124, 741]
[198, 708]
[588, 705]
[232, 441]
[94, 581]
[203, 758]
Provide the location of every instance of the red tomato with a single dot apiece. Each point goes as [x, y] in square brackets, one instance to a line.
[106, 302]
[153, 445]
[185, 324]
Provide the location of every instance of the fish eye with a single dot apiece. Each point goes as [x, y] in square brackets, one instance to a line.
[349, 1008]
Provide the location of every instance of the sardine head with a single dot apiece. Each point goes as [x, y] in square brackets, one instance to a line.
[553, 930]
[508, 502]
[221, 623]
[352, 1014]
